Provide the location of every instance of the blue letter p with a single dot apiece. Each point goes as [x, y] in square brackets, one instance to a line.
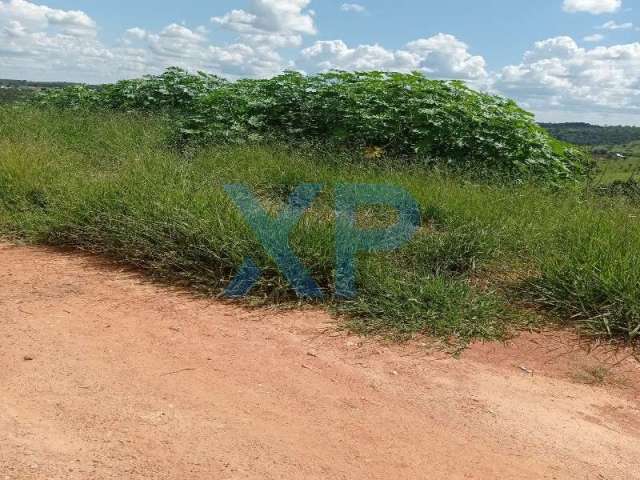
[350, 240]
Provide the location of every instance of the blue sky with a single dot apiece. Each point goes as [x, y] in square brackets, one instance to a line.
[563, 59]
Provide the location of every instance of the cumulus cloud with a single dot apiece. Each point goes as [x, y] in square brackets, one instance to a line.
[558, 74]
[353, 7]
[440, 56]
[30, 17]
[336, 54]
[445, 56]
[177, 45]
[36, 38]
[278, 22]
[136, 33]
[595, 7]
[38, 42]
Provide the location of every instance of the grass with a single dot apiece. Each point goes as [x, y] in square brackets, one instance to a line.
[612, 169]
[488, 259]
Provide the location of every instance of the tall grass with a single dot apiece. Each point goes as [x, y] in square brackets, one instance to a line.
[485, 258]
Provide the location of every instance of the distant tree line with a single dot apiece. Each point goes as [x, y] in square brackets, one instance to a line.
[12, 91]
[30, 84]
[587, 134]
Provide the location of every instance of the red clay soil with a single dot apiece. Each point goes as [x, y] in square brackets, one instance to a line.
[105, 375]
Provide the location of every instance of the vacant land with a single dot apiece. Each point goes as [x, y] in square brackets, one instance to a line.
[105, 375]
[108, 376]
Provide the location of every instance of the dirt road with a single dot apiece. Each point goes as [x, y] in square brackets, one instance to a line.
[105, 375]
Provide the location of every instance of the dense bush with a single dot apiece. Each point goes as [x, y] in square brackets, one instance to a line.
[73, 97]
[402, 115]
[175, 91]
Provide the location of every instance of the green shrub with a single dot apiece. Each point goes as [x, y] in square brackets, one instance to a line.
[370, 113]
[175, 91]
[73, 97]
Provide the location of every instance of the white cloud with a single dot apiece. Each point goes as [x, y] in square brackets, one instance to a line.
[559, 75]
[176, 42]
[277, 22]
[40, 43]
[32, 17]
[335, 54]
[181, 33]
[136, 33]
[440, 56]
[612, 25]
[73, 18]
[353, 7]
[595, 7]
[445, 56]
[595, 38]
[177, 45]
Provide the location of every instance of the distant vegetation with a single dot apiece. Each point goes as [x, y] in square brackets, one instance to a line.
[586, 134]
[616, 150]
[386, 114]
[14, 91]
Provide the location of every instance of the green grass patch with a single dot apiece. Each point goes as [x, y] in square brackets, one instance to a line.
[107, 183]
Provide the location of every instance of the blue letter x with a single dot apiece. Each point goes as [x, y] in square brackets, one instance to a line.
[273, 234]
